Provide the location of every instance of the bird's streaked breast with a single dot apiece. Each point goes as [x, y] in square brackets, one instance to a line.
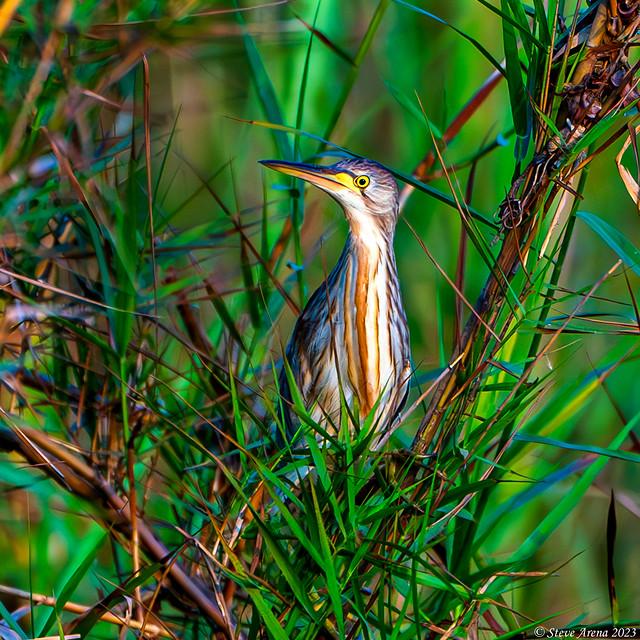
[375, 352]
[352, 339]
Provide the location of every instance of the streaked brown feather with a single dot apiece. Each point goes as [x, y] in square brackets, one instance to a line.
[352, 334]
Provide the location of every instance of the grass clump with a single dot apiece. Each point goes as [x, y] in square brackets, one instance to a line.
[150, 276]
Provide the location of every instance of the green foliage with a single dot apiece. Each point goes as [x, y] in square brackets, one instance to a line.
[150, 274]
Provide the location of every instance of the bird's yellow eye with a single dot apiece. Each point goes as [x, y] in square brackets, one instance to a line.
[362, 182]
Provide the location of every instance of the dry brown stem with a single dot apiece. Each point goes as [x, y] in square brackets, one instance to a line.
[74, 607]
[75, 475]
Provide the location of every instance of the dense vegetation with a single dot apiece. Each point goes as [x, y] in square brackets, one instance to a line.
[150, 272]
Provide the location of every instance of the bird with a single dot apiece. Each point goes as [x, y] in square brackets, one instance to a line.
[350, 345]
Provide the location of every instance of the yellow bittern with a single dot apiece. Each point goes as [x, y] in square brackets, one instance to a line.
[351, 342]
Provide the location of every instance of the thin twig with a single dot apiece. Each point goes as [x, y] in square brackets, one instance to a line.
[74, 607]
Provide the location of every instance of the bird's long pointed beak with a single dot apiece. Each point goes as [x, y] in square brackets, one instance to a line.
[326, 178]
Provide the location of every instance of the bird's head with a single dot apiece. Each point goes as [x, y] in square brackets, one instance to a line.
[365, 189]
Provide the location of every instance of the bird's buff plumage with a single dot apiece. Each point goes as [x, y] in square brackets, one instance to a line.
[352, 336]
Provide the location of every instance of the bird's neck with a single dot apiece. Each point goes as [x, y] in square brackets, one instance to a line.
[369, 236]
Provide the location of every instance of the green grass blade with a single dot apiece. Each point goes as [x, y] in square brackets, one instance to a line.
[354, 70]
[5, 614]
[625, 249]
[94, 543]
[515, 83]
[521, 24]
[329, 557]
[584, 448]
[273, 626]
[479, 47]
[264, 88]
[568, 502]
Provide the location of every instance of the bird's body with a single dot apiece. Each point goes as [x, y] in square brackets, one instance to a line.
[350, 345]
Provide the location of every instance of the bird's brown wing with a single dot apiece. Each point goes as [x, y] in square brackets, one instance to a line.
[304, 354]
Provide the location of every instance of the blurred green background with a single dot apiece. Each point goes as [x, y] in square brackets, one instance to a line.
[205, 84]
